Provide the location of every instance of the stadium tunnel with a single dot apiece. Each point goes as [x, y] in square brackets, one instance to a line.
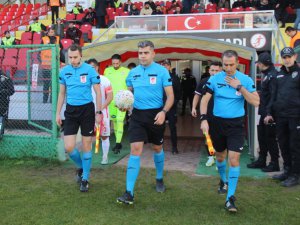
[179, 47]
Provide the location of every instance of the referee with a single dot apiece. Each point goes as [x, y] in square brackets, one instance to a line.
[76, 81]
[230, 88]
[148, 81]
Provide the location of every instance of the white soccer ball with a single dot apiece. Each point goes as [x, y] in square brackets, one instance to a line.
[124, 99]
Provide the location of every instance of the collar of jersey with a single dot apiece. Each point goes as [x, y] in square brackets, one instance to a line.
[80, 64]
[225, 74]
[146, 67]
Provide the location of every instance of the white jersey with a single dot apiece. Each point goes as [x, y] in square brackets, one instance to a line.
[105, 88]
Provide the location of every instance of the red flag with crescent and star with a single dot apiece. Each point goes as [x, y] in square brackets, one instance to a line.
[194, 22]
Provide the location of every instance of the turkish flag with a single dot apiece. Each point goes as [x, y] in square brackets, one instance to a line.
[194, 22]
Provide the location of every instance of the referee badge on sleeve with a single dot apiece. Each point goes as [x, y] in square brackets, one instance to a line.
[83, 79]
[152, 80]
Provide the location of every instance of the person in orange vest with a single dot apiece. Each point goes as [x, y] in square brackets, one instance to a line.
[46, 61]
[54, 4]
[295, 36]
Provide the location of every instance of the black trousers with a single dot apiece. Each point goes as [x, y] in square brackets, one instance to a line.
[54, 11]
[172, 118]
[288, 133]
[185, 97]
[46, 84]
[281, 14]
[100, 22]
[267, 141]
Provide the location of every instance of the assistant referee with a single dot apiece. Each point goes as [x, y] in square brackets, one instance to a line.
[75, 82]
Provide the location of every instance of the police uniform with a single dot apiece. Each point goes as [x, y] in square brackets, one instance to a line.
[267, 133]
[172, 113]
[227, 127]
[148, 85]
[285, 108]
[80, 109]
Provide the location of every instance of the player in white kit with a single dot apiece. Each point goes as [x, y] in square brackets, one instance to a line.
[107, 97]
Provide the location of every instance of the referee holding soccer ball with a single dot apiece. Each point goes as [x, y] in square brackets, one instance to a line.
[149, 80]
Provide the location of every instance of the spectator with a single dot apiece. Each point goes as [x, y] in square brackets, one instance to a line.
[8, 40]
[188, 86]
[89, 16]
[117, 3]
[178, 10]
[146, 10]
[224, 4]
[54, 4]
[250, 3]
[108, 3]
[295, 36]
[152, 4]
[280, 12]
[77, 9]
[296, 5]
[59, 28]
[201, 6]
[173, 5]
[264, 5]
[128, 6]
[37, 26]
[73, 32]
[134, 11]
[187, 6]
[157, 11]
[100, 8]
[238, 3]
[46, 62]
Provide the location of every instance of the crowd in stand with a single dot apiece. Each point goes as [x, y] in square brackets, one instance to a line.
[102, 13]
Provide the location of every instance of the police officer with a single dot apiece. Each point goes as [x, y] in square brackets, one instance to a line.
[284, 108]
[188, 85]
[75, 82]
[6, 90]
[266, 132]
[172, 114]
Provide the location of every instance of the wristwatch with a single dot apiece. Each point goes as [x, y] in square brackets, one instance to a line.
[163, 110]
[99, 112]
[238, 88]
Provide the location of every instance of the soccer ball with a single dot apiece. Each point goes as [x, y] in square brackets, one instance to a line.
[124, 99]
